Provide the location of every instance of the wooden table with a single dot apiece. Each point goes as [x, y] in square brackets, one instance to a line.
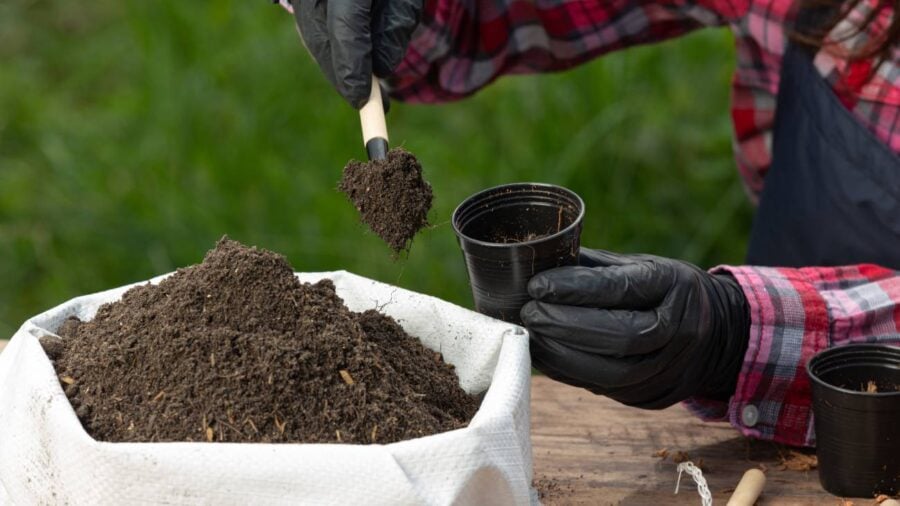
[592, 450]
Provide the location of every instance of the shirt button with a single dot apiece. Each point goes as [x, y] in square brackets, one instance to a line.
[750, 415]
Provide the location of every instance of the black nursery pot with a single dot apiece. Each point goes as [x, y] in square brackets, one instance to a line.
[510, 233]
[857, 433]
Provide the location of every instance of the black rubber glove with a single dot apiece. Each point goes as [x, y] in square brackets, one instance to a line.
[644, 330]
[351, 39]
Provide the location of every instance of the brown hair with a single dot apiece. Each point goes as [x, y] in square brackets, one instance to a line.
[879, 46]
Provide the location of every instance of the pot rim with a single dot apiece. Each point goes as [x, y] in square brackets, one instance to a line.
[576, 222]
[844, 349]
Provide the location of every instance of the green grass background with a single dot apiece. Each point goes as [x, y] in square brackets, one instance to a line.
[134, 134]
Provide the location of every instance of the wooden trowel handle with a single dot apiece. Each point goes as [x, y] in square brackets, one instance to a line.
[749, 488]
[374, 128]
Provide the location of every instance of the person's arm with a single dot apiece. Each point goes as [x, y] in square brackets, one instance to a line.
[794, 314]
[461, 46]
[650, 331]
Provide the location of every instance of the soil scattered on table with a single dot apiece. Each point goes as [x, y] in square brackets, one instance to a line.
[237, 349]
[552, 490]
[391, 196]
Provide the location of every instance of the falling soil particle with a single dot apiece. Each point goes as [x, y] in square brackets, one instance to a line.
[237, 349]
[390, 195]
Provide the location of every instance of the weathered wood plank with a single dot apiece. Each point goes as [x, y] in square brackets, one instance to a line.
[596, 451]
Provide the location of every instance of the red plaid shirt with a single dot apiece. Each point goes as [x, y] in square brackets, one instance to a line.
[794, 314]
[463, 45]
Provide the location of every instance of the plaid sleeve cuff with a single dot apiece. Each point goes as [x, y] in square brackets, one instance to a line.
[794, 314]
[789, 324]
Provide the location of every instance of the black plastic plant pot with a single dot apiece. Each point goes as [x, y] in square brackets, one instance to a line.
[510, 233]
[856, 407]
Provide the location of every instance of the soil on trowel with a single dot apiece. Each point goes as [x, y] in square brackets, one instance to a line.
[392, 198]
[237, 349]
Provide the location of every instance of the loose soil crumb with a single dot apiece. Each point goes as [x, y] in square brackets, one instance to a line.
[237, 349]
[797, 461]
[551, 490]
[390, 195]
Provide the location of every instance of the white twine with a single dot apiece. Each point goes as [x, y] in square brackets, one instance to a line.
[697, 475]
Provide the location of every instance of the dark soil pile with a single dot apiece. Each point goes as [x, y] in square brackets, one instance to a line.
[390, 195]
[237, 349]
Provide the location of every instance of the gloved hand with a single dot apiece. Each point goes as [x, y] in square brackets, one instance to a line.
[646, 331]
[351, 39]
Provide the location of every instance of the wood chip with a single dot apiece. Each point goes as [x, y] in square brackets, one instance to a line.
[661, 454]
[680, 457]
[374, 432]
[871, 387]
[345, 374]
[338, 434]
[797, 461]
[209, 434]
[68, 380]
[881, 498]
[281, 425]
[159, 396]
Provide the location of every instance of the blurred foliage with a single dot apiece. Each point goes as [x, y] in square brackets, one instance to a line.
[133, 135]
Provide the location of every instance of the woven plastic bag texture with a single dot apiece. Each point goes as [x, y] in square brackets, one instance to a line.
[46, 457]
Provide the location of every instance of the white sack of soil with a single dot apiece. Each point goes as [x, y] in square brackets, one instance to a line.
[46, 457]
